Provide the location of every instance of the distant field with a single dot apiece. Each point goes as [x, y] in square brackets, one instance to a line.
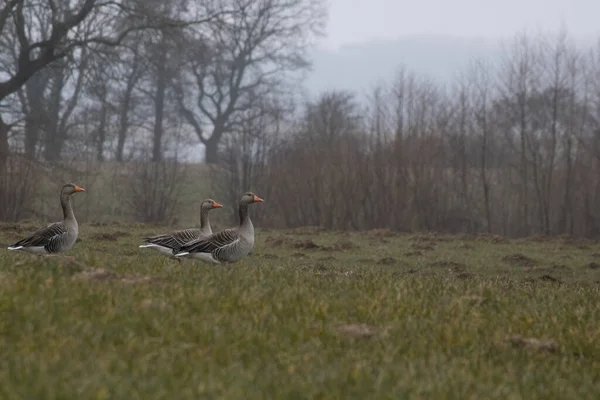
[310, 314]
[109, 192]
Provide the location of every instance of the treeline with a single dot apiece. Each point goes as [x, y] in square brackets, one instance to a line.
[112, 94]
[88, 82]
[510, 148]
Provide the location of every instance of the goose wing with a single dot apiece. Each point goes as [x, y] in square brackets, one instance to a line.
[175, 239]
[47, 236]
[213, 242]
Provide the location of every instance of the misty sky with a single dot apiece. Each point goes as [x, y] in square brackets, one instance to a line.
[361, 20]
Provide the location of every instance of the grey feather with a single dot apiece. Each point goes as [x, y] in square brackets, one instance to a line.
[57, 236]
[175, 239]
[229, 245]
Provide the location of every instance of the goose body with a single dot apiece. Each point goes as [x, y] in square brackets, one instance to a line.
[170, 243]
[229, 245]
[58, 236]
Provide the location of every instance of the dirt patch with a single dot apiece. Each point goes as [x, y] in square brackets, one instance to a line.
[431, 237]
[318, 267]
[103, 275]
[299, 255]
[277, 241]
[422, 246]
[5, 280]
[327, 258]
[356, 331]
[306, 245]
[19, 228]
[466, 237]
[577, 242]
[593, 265]
[305, 230]
[464, 276]
[518, 341]
[495, 239]
[378, 240]
[95, 274]
[365, 260]
[549, 278]
[384, 232]
[473, 299]
[112, 236]
[541, 238]
[449, 264]
[413, 253]
[154, 304]
[10, 227]
[387, 261]
[344, 245]
[555, 269]
[418, 272]
[98, 223]
[269, 256]
[518, 259]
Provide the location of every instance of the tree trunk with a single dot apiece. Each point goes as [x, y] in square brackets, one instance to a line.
[54, 137]
[159, 109]
[4, 149]
[101, 133]
[211, 151]
[123, 125]
[52, 148]
[32, 133]
[34, 88]
[211, 145]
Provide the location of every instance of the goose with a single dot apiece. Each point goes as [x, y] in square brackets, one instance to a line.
[55, 237]
[169, 243]
[229, 245]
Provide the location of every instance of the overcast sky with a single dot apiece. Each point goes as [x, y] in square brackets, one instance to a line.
[360, 20]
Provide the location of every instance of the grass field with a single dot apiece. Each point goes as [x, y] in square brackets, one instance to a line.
[310, 314]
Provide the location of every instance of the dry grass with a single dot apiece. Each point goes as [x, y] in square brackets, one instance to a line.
[310, 314]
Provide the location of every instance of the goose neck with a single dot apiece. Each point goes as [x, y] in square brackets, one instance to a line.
[204, 220]
[243, 211]
[65, 203]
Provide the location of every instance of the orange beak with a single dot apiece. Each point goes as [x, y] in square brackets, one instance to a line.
[79, 189]
[257, 199]
[217, 205]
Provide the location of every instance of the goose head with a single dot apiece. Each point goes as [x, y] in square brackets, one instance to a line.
[210, 204]
[249, 198]
[70, 188]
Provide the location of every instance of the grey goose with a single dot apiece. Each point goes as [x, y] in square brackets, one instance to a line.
[229, 245]
[58, 236]
[169, 243]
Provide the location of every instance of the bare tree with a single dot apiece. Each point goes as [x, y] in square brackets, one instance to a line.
[63, 28]
[482, 93]
[163, 54]
[519, 83]
[244, 56]
[244, 164]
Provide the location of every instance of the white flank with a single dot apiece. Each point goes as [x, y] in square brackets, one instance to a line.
[34, 250]
[206, 257]
[161, 249]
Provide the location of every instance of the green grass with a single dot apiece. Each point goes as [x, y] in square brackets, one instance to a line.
[436, 314]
